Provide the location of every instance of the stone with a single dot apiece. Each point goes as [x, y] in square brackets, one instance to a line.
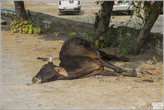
[98, 76]
[152, 72]
[157, 105]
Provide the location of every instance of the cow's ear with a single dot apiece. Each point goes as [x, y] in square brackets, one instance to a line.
[61, 71]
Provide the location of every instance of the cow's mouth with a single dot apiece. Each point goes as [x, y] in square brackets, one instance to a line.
[36, 79]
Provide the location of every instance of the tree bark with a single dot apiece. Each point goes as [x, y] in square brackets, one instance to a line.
[20, 9]
[103, 18]
[145, 31]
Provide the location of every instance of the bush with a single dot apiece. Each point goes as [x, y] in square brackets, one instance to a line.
[103, 41]
[19, 25]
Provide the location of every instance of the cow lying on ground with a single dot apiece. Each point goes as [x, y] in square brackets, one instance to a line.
[78, 60]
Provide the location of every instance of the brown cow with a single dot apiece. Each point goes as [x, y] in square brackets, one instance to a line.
[79, 59]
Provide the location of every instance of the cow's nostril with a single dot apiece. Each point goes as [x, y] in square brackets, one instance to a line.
[33, 79]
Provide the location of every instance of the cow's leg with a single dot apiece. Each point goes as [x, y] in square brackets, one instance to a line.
[111, 57]
[110, 73]
[109, 65]
[129, 73]
[90, 62]
[94, 72]
[101, 71]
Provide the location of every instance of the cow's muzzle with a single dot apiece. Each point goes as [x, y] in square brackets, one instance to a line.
[36, 79]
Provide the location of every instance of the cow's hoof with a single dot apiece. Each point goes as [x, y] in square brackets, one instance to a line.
[118, 70]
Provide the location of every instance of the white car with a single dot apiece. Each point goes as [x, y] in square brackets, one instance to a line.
[123, 6]
[69, 6]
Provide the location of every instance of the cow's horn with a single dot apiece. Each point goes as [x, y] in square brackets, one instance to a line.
[50, 58]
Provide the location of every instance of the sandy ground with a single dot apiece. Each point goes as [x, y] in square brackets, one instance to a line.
[19, 64]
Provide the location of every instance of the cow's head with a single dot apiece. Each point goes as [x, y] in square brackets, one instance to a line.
[49, 72]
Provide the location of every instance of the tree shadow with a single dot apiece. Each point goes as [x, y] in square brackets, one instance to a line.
[121, 13]
[132, 65]
[72, 13]
[54, 36]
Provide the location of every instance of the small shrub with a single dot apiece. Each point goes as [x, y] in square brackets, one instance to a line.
[125, 46]
[89, 36]
[72, 34]
[154, 60]
[19, 25]
[103, 41]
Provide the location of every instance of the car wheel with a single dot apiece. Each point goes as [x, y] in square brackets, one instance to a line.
[59, 12]
[79, 11]
[130, 12]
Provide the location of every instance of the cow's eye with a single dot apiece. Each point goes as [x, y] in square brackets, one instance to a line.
[45, 67]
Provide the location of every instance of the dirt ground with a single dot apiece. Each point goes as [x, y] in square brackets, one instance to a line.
[19, 54]
[19, 64]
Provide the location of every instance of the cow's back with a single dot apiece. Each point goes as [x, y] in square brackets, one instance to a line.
[77, 46]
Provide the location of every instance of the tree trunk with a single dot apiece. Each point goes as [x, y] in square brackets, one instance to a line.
[103, 18]
[145, 31]
[20, 9]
